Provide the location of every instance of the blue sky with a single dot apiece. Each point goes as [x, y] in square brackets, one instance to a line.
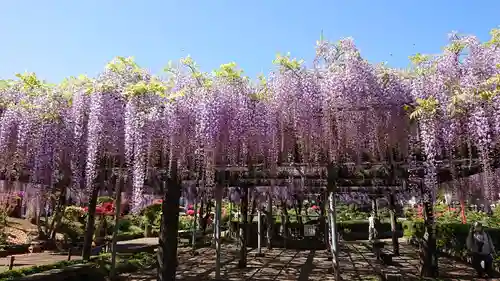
[57, 39]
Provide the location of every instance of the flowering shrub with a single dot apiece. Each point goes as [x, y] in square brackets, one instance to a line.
[104, 209]
[74, 213]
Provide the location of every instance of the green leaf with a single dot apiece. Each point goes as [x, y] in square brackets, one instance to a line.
[419, 58]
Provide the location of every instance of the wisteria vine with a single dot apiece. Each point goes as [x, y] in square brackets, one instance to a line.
[342, 109]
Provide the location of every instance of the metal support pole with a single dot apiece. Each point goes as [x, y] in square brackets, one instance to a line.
[218, 211]
[259, 233]
[269, 219]
[194, 229]
[333, 235]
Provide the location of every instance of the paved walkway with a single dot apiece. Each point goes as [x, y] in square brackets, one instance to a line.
[356, 262]
[27, 260]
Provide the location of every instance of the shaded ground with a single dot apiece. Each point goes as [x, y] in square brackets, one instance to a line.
[356, 262]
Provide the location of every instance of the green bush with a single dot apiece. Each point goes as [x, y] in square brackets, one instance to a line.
[134, 219]
[74, 213]
[3, 224]
[134, 233]
[104, 199]
[150, 215]
[409, 213]
[72, 230]
[124, 224]
[186, 222]
[350, 213]
[451, 237]
[362, 226]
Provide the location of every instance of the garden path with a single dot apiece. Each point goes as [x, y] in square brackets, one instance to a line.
[357, 263]
[27, 260]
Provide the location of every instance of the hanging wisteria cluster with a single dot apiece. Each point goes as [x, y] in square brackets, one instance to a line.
[342, 109]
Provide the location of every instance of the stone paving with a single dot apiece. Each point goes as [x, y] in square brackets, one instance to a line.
[356, 262]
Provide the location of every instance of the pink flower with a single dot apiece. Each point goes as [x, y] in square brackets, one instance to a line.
[190, 212]
[314, 207]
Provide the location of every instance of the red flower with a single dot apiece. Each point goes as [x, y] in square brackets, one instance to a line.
[157, 201]
[190, 207]
[190, 212]
[108, 207]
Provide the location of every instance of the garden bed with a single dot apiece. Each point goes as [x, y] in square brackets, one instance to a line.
[96, 270]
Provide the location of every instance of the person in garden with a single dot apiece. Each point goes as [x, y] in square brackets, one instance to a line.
[481, 247]
[372, 231]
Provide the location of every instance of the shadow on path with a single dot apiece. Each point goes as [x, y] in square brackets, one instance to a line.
[307, 268]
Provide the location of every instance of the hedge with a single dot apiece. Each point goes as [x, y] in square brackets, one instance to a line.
[451, 237]
[350, 230]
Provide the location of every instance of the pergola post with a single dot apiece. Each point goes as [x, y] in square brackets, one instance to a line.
[392, 210]
[259, 233]
[218, 212]
[194, 227]
[243, 227]
[269, 219]
[333, 173]
[324, 199]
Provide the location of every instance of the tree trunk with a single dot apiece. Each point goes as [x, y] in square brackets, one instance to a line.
[116, 228]
[58, 214]
[392, 208]
[90, 227]
[428, 255]
[167, 249]
[244, 228]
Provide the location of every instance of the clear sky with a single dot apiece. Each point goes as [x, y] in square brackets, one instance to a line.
[60, 38]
